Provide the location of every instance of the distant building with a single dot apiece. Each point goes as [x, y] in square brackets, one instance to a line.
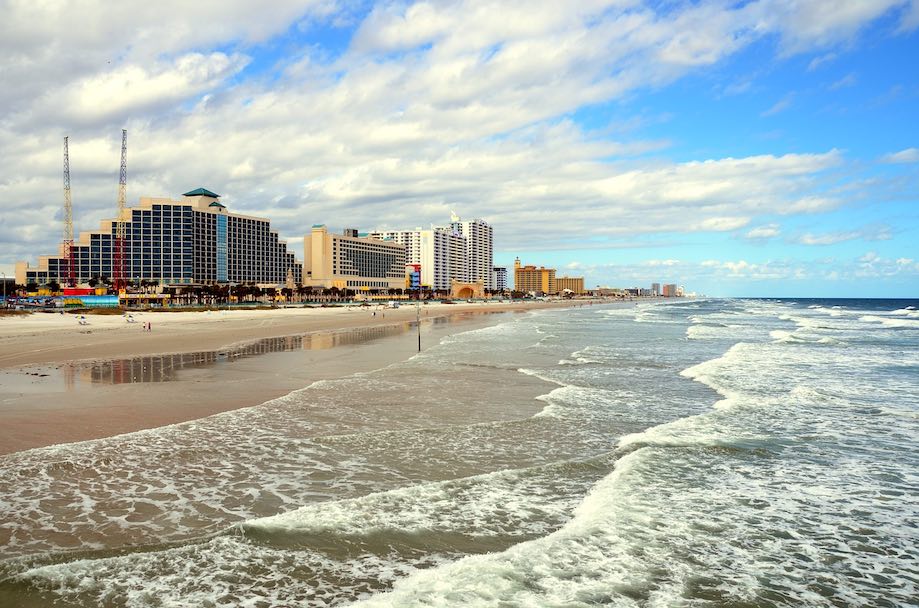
[500, 278]
[349, 261]
[531, 278]
[655, 289]
[194, 240]
[573, 284]
[413, 276]
[669, 290]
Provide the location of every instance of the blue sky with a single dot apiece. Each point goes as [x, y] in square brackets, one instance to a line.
[762, 148]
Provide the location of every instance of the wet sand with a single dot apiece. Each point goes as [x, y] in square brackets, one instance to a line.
[60, 383]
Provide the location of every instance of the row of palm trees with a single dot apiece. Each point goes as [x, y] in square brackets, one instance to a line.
[223, 294]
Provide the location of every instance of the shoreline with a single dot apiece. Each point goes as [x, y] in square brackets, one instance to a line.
[44, 338]
[203, 366]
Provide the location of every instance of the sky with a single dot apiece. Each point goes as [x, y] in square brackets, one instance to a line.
[739, 148]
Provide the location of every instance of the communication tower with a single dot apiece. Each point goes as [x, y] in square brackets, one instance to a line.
[68, 220]
[118, 270]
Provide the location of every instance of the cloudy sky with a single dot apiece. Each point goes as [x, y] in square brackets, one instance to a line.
[762, 148]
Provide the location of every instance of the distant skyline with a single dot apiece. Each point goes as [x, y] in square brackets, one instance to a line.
[762, 148]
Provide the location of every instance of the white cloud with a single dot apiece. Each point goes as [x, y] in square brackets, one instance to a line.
[434, 106]
[871, 265]
[722, 224]
[820, 60]
[849, 80]
[910, 19]
[873, 233]
[909, 155]
[767, 231]
[780, 106]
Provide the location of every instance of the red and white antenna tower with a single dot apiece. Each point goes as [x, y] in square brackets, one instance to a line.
[118, 269]
[68, 220]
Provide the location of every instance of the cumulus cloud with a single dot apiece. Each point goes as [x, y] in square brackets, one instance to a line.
[431, 106]
[872, 265]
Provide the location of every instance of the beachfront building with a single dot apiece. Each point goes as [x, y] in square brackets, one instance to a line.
[354, 261]
[655, 289]
[500, 278]
[573, 284]
[479, 249]
[440, 254]
[669, 290]
[532, 279]
[194, 240]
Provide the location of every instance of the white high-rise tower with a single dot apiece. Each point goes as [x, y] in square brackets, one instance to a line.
[479, 249]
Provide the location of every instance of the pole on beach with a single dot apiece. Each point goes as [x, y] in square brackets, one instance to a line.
[418, 322]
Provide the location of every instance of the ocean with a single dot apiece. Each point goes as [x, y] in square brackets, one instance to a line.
[691, 453]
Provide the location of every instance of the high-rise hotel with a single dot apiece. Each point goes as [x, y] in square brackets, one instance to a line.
[479, 249]
[194, 240]
[461, 252]
[439, 252]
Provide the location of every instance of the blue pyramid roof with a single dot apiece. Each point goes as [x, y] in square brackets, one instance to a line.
[201, 192]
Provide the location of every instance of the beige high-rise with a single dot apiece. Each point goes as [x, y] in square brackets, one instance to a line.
[532, 279]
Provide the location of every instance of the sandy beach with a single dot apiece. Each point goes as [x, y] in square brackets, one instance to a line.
[61, 381]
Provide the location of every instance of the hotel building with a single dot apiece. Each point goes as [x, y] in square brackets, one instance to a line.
[574, 284]
[440, 253]
[532, 279]
[499, 274]
[352, 261]
[479, 249]
[194, 240]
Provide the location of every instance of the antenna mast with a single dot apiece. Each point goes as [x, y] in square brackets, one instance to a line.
[68, 220]
[119, 221]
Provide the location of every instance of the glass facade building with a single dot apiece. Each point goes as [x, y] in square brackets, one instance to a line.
[190, 241]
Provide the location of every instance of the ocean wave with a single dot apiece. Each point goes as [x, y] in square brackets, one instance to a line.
[888, 322]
